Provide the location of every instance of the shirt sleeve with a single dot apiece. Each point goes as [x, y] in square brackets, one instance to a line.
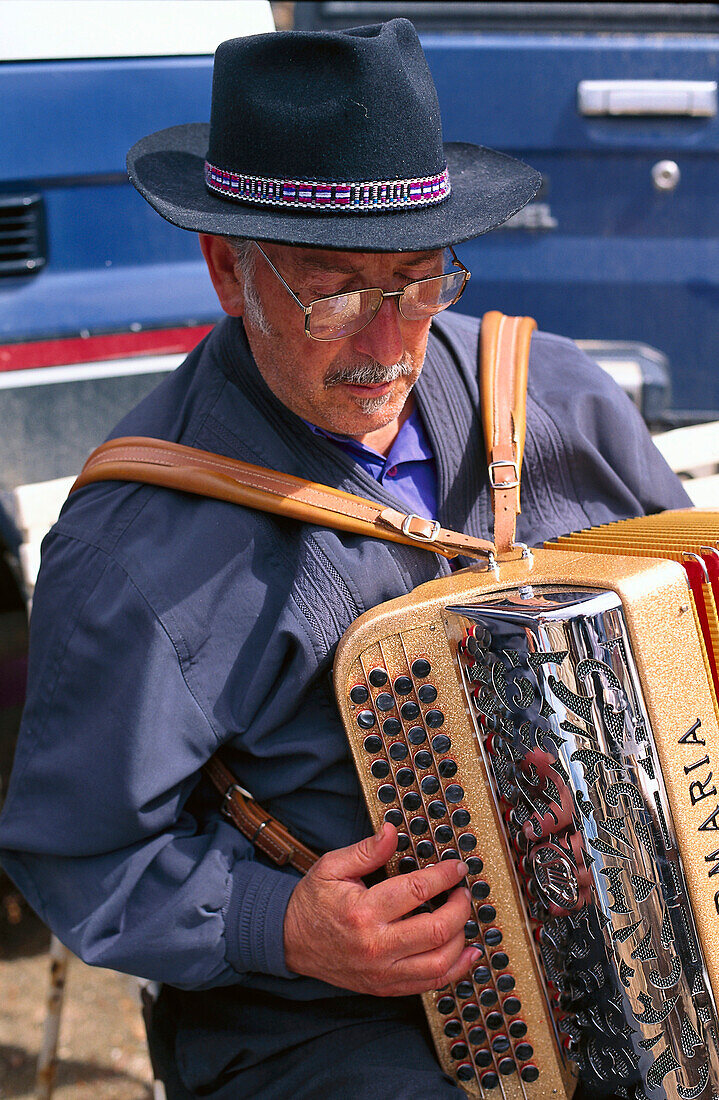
[94, 830]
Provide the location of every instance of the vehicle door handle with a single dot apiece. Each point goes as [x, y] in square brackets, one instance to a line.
[692, 98]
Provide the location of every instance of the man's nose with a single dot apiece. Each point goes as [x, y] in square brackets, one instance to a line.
[382, 338]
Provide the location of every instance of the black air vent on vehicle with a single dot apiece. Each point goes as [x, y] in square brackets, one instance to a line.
[22, 234]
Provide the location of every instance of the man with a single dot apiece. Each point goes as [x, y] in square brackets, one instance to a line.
[166, 626]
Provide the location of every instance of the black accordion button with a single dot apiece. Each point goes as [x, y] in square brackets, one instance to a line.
[407, 864]
[394, 817]
[448, 769]
[480, 889]
[487, 998]
[493, 937]
[423, 759]
[459, 1051]
[402, 842]
[500, 1044]
[418, 826]
[384, 701]
[454, 793]
[470, 1012]
[486, 913]
[411, 801]
[460, 818]
[489, 1080]
[373, 743]
[445, 1005]
[403, 685]
[464, 989]
[482, 975]
[391, 727]
[405, 777]
[417, 735]
[500, 959]
[398, 751]
[483, 1059]
[386, 793]
[467, 842]
[452, 1029]
[434, 719]
[378, 677]
[505, 983]
[421, 668]
[427, 693]
[436, 809]
[477, 1036]
[465, 1072]
[443, 834]
[366, 719]
[506, 1066]
[449, 853]
[380, 769]
[409, 710]
[524, 1051]
[441, 743]
[475, 866]
[517, 1029]
[471, 930]
[529, 1073]
[425, 849]
[430, 784]
[494, 1021]
[359, 694]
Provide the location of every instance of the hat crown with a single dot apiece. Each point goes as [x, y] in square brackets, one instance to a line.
[335, 106]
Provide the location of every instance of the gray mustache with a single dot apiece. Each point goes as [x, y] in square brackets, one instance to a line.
[367, 374]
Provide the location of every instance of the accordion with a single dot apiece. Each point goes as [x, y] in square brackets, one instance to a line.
[553, 722]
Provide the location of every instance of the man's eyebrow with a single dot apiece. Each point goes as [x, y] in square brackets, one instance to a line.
[311, 265]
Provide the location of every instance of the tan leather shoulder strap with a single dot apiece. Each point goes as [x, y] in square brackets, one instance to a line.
[504, 358]
[190, 470]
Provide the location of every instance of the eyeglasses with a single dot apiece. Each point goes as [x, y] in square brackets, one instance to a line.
[341, 315]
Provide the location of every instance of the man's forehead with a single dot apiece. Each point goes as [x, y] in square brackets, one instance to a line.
[312, 260]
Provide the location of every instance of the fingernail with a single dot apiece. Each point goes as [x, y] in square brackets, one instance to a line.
[475, 955]
[462, 869]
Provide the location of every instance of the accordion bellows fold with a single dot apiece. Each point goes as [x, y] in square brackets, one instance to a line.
[553, 721]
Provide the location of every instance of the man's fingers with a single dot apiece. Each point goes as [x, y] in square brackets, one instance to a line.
[429, 931]
[360, 859]
[395, 897]
[434, 969]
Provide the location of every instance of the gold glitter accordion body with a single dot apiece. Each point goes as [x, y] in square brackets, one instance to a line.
[553, 721]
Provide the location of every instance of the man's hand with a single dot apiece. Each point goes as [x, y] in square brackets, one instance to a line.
[355, 937]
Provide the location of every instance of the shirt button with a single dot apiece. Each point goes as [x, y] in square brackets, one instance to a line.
[392, 472]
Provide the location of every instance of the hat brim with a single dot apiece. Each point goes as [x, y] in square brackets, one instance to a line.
[488, 187]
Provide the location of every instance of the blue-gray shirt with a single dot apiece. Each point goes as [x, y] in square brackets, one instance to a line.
[167, 625]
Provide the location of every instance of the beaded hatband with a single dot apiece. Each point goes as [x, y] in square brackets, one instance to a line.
[367, 195]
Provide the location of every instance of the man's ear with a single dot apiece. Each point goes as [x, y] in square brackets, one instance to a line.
[221, 263]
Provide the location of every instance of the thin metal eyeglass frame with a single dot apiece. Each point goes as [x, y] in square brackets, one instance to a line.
[307, 310]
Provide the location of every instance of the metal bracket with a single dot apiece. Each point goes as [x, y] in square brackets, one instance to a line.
[503, 484]
[420, 538]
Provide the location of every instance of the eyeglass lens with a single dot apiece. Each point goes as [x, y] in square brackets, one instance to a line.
[345, 314]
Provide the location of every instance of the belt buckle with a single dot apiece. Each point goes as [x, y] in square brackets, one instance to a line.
[494, 484]
[431, 537]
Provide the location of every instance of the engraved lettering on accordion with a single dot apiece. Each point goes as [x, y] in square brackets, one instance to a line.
[563, 730]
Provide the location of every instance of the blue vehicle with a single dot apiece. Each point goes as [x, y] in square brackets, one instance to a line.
[616, 105]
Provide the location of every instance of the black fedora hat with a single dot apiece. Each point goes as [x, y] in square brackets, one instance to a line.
[328, 138]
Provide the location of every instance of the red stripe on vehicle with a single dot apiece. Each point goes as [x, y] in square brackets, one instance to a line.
[91, 349]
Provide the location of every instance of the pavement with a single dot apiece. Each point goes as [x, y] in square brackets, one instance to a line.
[102, 1050]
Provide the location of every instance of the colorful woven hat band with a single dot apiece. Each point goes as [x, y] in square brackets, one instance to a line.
[366, 195]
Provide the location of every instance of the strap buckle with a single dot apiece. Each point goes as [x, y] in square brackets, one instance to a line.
[414, 535]
[494, 484]
[227, 798]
